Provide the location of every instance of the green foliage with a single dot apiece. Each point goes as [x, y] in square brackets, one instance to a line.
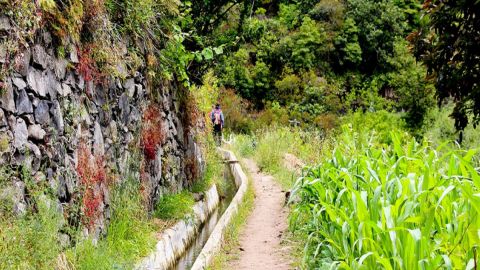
[254, 29]
[237, 73]
[399, 206]
[381, 22]
[446, 44]
[208, 93]
[289, 15]
[244, 145]
[442, 129]
[308, 44]
[237, 119]
[414, 94]
[174, 206]
[25, 24]
[318, 59]
[288, 89]
[380, 123]
[347, 46]
[213, 171]
[29, 240]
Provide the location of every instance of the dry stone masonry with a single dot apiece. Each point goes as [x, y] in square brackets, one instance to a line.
[48, 112]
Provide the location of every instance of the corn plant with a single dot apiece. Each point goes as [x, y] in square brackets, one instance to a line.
[398, 206]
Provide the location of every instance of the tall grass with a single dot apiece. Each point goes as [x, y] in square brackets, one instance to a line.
[402, 205]
[31, 241]
[269, 146]
[130, 233]
[174, 206]
[442, 128]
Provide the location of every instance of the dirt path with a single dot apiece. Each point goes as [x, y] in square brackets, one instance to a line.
[260, 241]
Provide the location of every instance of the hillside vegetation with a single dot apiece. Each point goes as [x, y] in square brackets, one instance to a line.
[378, 99]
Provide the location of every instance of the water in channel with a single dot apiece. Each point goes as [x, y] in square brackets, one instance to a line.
[227, 191]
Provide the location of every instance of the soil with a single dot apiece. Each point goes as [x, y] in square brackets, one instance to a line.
[261, 239]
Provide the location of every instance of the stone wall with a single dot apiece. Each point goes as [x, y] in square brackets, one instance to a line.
[67, 131]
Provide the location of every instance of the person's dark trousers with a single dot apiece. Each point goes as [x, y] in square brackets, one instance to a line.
[217, 134]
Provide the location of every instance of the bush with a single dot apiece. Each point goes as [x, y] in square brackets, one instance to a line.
[235, 111]
[442, 129]
[244, 145]
[381, 123]
[207, 95]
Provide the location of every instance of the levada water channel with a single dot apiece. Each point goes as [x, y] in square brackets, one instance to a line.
[226, 191]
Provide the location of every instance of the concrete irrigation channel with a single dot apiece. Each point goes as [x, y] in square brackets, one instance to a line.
[191, 244]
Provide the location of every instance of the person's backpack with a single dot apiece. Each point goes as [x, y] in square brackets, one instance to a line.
[217, 117]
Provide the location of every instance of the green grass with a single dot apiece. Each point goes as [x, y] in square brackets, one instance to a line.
[30, 242]
[213, 171]
[403, 205]
[174, 206]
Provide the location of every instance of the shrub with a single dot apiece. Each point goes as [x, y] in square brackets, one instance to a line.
[207, 94]
[153, 131]
[274, 114]
[380, 122]
[87, 67]
[235, 111]
[93, 180]
[442, 129]
[244, 145]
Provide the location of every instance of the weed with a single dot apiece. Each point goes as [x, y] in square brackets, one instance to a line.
[87, 67]
[29, 241]
[4, 143]
[213, 171]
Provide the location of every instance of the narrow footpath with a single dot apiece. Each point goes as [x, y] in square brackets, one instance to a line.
[260, 240]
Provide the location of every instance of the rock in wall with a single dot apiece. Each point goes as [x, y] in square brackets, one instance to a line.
[75, 134]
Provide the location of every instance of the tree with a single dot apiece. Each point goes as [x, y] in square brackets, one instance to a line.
[380, 23]
[449, 47]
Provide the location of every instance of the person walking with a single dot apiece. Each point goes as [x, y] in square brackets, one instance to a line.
[218, 121]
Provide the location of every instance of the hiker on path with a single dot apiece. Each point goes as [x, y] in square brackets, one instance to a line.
[218, 120]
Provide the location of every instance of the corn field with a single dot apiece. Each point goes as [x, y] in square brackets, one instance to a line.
[403, 205]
